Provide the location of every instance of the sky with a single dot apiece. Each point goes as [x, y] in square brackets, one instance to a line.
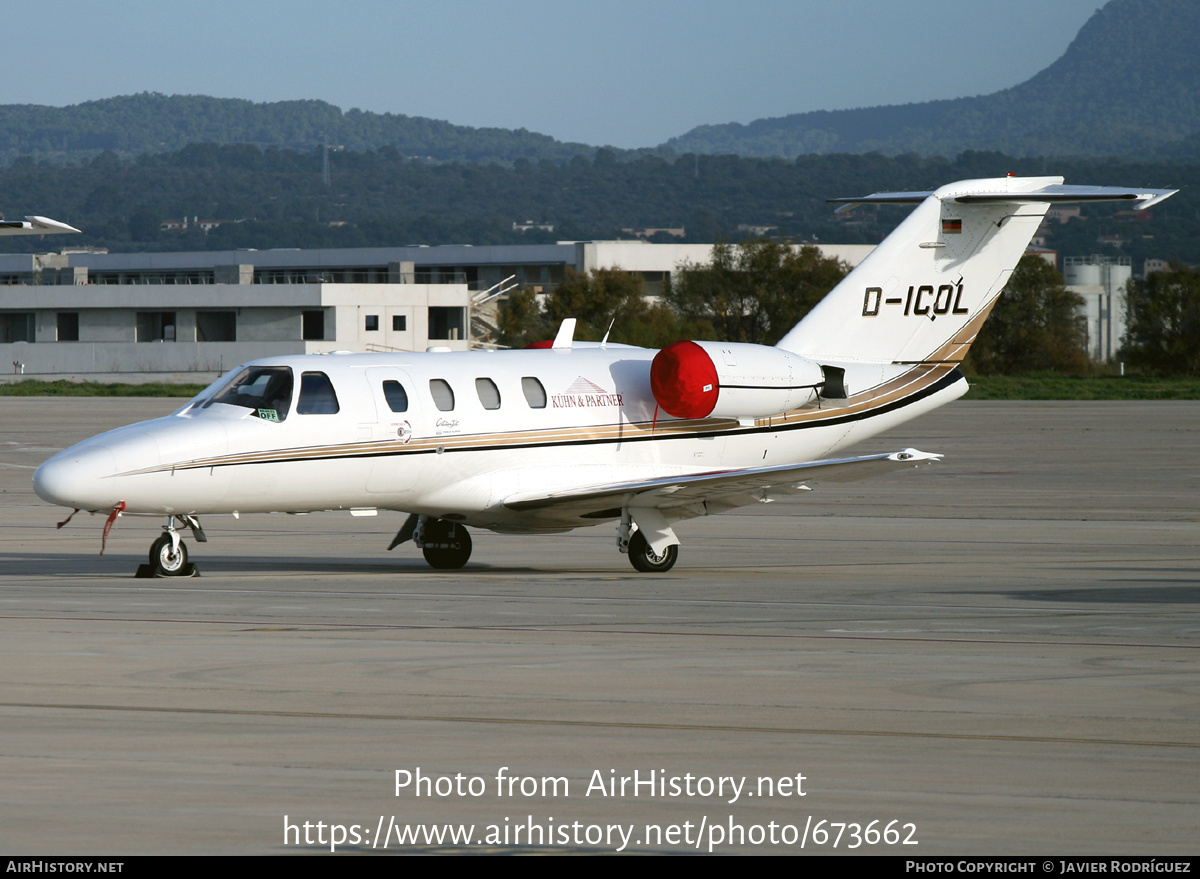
[627, 73]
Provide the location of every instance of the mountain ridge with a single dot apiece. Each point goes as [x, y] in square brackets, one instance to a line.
[150, 122]
[1100, 97]
[1112, 92]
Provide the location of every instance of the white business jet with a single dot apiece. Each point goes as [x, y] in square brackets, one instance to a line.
[546, 440]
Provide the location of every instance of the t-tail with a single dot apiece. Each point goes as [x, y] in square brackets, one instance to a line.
[922, 295]
[885, 344]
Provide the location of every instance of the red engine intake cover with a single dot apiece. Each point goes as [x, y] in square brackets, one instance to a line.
[683, 379]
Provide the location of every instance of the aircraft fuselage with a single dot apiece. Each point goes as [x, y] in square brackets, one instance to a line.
[512, 422]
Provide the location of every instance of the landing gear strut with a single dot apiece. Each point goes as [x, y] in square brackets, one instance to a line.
[169, 555]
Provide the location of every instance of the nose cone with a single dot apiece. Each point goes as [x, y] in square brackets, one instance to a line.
[79, 477]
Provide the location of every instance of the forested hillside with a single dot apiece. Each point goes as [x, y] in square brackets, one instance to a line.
[278, 198]
[148, 123]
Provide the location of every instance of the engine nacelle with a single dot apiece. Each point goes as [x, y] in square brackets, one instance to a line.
[731, 380]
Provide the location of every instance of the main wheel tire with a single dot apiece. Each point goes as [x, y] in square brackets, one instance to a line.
[646, 560]
[446, 545]
[164, 561]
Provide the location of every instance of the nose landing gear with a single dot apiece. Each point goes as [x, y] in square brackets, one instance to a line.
[166, 559]
[169, 555]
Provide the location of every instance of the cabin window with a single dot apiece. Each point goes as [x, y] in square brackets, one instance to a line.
[443, 395]
[265, 390]
[397, 398]
[535, 394]
[400, 322]
[316, 395]
[372, 323]
[489, 394]
[67, 325]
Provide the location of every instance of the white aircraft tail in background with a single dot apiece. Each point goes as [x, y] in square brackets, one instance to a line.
[540, 441]
[34, 226]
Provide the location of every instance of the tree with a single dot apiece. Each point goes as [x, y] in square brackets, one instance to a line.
[596, 300]
[755, 291]
[1035, 326]
[520, 319]
[1164, 322]
[144, 225]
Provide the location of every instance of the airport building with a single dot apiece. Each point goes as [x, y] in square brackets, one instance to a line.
[1101, 281]
[79, 312]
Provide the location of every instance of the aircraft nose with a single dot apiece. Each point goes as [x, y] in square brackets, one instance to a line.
[79, 477]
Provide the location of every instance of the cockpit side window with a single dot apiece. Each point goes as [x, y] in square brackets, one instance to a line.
[317, 396]
[396, 396]
[265, 390]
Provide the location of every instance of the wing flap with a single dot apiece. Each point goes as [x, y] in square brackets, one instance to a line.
[724, 489]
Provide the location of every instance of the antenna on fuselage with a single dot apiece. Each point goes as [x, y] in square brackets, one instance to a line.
[604, 341]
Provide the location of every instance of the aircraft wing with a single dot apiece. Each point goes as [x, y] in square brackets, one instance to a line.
[34, 226]
[682, 497]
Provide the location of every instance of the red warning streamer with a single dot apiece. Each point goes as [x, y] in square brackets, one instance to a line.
[108, 523]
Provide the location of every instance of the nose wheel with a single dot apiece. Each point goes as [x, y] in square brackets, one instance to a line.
[168, 560]
[169, 555]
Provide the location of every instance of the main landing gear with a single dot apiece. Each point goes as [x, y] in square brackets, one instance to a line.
[446, 545]
[632, 539]
[643, 557]
[169, 555]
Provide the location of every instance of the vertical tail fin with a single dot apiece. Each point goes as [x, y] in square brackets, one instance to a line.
[924, 293]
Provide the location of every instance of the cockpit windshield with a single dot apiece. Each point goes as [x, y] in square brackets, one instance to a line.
[265, 390]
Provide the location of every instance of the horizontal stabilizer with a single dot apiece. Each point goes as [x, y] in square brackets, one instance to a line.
[1054, 193]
